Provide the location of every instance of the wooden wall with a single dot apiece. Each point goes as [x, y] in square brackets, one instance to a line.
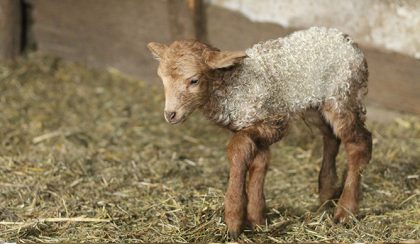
[10, 29]
[114, 33]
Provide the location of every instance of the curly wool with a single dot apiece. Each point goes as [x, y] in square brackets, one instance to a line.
[288, 75]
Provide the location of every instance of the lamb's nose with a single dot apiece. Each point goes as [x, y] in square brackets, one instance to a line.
[170, 116]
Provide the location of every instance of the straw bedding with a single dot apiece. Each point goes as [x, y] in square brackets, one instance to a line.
[85, 156]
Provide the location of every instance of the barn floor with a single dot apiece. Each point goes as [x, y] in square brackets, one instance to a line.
[85, 156]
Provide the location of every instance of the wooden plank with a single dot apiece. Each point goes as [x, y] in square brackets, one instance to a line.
[394, 81]
[187, 19]
[197, 9]
[108, 33]
[10, 29]
[114, 32]
[181, 26]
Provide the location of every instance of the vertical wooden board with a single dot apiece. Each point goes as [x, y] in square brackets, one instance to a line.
[180, 24]
[10, 29]
[394, 81]
[112, 32]
[187, 19]
[199, 19]
[103, 33]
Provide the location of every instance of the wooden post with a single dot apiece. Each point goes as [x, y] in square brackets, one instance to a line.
[199, 19]
[187, 19]
[10, 29]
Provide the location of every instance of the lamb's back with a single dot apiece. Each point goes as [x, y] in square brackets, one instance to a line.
[307, 67]
[293, 73]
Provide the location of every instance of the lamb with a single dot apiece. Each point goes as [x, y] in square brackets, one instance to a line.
[319, 74]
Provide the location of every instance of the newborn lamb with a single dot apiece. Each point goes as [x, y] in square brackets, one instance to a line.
[318, 74]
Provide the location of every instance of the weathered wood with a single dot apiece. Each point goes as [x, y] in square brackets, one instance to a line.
[10, 29]
[115, 33]
[198, 12]
[394, 81]
[180, 24]
[103, 33]
[186, 19]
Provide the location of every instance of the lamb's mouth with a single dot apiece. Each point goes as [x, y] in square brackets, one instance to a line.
[178, 116]
[178, 121]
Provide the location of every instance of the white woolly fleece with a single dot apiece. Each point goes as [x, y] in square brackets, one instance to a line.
[288, 75]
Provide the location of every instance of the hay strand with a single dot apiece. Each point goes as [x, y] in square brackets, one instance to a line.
[55, 220]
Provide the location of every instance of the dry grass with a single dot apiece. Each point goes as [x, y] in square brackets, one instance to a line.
[86, 156]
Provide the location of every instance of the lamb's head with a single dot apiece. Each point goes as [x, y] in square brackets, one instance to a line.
[187, 72]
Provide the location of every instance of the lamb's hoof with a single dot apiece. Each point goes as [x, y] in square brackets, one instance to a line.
[252, 224]
[328, 197]
[342, 217]
[235, 226]
[234, 234]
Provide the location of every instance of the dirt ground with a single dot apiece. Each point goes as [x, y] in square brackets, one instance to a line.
[85, 156]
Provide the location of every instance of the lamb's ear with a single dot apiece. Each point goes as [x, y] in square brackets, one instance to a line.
[223, 59]
[157, 49]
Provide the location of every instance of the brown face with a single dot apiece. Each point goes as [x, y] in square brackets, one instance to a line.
[184, 69]
[186, 88]
[184, 78]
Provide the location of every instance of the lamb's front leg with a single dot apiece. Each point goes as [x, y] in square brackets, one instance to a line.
[256, 199]
[241, 151]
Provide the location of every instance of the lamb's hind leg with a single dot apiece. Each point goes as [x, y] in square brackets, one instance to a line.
[357, 140]
[358, 144]
[328, 180]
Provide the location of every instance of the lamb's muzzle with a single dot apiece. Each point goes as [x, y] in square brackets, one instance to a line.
[171, 117]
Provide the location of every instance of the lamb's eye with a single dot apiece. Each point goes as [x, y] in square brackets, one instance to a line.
[194, 81]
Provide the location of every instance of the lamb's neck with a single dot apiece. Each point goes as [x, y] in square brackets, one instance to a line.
[215, 109]
[221, 78]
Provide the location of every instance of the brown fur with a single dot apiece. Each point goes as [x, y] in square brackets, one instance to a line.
[248, 150]
[256, 198]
